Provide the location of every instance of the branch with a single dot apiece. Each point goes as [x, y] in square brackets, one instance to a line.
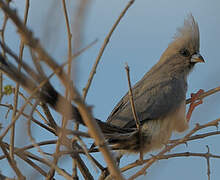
[131, 99]
[197, 136]
[92, 73]
[169, 147]
[205, 94]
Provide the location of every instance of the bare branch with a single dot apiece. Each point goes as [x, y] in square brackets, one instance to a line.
[92, 73]
[131, 99]
[205, 94]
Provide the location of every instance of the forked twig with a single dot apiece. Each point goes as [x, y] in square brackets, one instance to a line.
[205, 94]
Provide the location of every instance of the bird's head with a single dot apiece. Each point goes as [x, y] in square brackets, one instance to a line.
[183, 52]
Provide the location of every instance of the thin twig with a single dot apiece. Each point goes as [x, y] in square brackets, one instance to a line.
[37, 111]
[43, 143]
[31, 163]
[29, 39]
[21, 49]
[86, 152]
[168, 156]
[21, 153]
[49, 116]
[29, 128]
[94, 129]
[12, 162]
[35, 90]
[83, 169]
[64, 120]
[3, 51]
[74, 173]
[98, 136]
[38, 147]
[171, 146]
[30, 71]
[205, 94]
[197, 136]
[208, 162]
[131, 99]
[49, 164]
[92, 73]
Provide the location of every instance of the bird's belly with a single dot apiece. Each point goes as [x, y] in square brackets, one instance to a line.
[161, 130]
[160, 133]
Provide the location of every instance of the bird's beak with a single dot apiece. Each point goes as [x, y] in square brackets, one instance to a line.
[197, 58]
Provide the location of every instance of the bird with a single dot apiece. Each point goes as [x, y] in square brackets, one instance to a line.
[159, 97]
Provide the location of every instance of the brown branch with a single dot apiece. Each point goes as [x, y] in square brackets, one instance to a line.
[42, 160]
[33, 140]
[65, 142]
[67, 131]
[34, 91]
[31, 163]
[30, 40]
[169, 147]
[131, 99]
[53, 165]
[75, 155]
[21, 49]
[94, 129]
[92, 73]
[85, 171]
[86, 151]
[197, 136]
[188, 154]
[205, 94]
[208, 162]
[11, 162]
[69, 34]
[22, 154]
[49, 116]
[64, 120]
[168, 156]
[30, 71]
[55, 132]
[98, 136]
[3, 52]
[38, 112]
[43, 143]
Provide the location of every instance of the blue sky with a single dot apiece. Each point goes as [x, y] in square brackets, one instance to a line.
[139, 40]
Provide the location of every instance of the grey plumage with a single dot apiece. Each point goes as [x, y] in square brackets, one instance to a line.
[161, 93]
[159, 96]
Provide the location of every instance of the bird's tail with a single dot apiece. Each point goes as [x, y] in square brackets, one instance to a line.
[48, 94]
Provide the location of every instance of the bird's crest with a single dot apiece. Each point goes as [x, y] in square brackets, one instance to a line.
[189, 32]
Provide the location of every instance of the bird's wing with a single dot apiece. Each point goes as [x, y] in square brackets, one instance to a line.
[153, 99]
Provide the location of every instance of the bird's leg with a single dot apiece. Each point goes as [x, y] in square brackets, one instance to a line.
[194, 102]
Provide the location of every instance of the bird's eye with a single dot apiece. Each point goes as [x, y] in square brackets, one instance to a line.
[184, 52]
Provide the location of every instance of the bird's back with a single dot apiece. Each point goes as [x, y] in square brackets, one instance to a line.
[155, 95]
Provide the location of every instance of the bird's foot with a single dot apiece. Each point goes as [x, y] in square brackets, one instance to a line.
[195, 101]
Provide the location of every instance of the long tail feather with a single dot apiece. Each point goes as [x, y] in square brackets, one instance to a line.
[50, 96]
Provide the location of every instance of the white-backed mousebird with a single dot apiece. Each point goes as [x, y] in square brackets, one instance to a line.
[159, 97]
